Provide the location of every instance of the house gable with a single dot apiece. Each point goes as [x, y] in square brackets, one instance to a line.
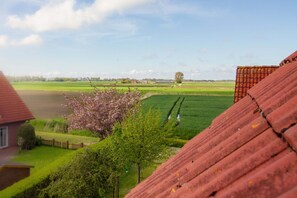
[12, 108]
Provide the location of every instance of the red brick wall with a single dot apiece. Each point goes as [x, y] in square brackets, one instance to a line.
[12, 133]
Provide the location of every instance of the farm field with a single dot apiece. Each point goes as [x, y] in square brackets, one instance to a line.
[47, 99]
[195, 112]
[202, 88]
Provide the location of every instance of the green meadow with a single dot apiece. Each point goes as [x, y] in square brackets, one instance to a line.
[200, 88]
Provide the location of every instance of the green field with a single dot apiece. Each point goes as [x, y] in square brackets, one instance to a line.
[196, 112]
[201, 88]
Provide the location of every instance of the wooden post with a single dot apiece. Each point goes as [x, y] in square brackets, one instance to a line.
[67, 144]
[82, 145]
[53, 142]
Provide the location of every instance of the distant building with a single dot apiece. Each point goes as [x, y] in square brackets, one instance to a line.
[249, 76]
[13, 113]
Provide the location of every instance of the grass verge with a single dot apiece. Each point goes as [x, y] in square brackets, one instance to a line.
[61, 137]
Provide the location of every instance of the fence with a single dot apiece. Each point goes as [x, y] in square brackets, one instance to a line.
[65, 145]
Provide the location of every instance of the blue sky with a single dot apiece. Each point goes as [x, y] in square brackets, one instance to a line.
[205, 39]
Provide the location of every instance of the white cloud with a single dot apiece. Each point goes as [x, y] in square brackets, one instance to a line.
[62, 14]
[3, 41]
[32, 39]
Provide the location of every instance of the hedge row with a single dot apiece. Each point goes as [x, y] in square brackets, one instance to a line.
[30, 186]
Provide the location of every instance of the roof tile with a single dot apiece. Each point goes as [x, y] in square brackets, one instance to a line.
[291, 137]
[276, 178]
[289, 59]
[242, 153]
[284, 117]
[249, 76]
[12, 108]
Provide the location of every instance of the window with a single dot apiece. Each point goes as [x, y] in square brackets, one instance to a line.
[3, 137]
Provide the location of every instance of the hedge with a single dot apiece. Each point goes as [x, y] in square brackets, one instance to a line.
[30, 186]
[174, 142]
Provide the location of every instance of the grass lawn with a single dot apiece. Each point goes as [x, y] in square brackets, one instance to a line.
[40, 157]
[63, 137]
[45, 161]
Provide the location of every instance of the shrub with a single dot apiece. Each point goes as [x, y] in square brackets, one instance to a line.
[58, 125]
[174, 142]
[26, 136]
[88, 174]
[31, 186]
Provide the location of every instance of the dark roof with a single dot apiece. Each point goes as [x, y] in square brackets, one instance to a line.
[12, 108]
[248, 151]
[249, 76]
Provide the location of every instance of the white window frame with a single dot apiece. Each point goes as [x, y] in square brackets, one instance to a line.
[6, 129]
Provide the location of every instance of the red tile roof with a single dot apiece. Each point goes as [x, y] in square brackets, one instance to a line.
[12, 108]
[289, 59]
[249, 76]
[248, 151]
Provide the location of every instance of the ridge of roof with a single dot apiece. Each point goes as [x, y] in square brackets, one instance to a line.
[249, 150]
[289, 59]
[258, 66]
[12, 108]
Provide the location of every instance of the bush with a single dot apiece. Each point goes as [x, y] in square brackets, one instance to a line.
[89, 174]
[31, 186]
[174, 142]
[58, 125]
[26, 136]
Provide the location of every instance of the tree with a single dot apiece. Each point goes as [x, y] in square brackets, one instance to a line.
[179, 77]
[26, 136]
[99, 110]
[142, 138]
[88, 174]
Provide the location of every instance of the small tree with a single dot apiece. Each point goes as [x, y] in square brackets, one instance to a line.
[142, 138]
[179, 77]
[26, 136]
[88, 174]
[99, 110]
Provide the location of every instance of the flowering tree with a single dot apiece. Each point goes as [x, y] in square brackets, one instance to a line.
[99, 110]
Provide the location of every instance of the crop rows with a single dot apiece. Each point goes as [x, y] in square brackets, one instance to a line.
[195, 112]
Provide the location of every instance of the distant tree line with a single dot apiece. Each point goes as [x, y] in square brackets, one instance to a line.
[42, 79]
[25, 78]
